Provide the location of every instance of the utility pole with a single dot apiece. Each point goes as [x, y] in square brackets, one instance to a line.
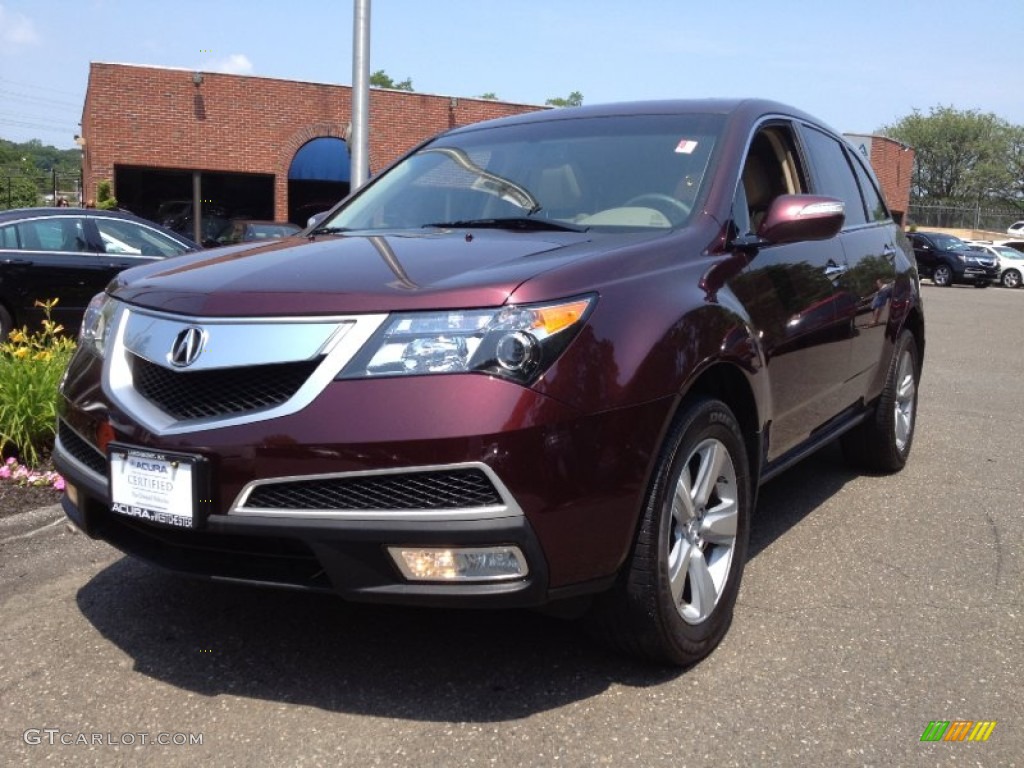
[360, 94]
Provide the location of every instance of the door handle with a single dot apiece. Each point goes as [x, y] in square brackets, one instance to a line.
[17, 262]
[833, 270]
[889, 253]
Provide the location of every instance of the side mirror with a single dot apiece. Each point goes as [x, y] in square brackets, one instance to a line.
[797, 218]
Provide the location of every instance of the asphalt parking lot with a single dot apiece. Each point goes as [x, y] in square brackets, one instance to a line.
[870, 607]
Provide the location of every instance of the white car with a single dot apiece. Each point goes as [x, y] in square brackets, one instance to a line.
[1011, 260]
[1016, 229]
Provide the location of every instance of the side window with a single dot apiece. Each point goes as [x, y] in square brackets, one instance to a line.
[833, 174]
[9, 238]
[127, 237]
[877, 209]
[772, 168]
[63, 233]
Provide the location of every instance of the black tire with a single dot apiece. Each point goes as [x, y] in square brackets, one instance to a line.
[1011, 278]
[6, 324]
[981, 284]
[679, 621]
[943, 276]
[882, 442]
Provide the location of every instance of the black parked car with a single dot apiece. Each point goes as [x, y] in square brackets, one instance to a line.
[69, 254]
[947, 260]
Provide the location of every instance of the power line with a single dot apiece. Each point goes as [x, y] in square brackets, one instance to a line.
[35, 87]
[36, 99]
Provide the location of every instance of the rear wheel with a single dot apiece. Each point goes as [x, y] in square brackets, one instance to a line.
[882, 442]
[942, 276]
[6, 324]
[1011, 278]
[674, 601]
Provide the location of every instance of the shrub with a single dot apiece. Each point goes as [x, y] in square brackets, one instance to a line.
[31, 366]
[105, 199]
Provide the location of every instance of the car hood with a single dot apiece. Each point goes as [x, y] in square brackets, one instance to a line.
[357, 273]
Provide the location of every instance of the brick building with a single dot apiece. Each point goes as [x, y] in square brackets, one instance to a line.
[893, 163]
[275, 149]
[154, 132]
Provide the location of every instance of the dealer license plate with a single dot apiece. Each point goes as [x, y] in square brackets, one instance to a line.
[153, 486]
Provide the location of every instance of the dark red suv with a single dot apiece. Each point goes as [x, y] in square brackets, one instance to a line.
[542, 360]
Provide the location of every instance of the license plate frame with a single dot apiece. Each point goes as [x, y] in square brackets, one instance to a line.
[164, 488]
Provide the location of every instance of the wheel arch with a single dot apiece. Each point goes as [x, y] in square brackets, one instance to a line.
[727, 382]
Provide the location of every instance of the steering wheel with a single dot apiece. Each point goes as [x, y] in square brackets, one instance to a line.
[670, 206]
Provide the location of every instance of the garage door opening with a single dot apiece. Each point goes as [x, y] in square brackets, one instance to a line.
[160, 195]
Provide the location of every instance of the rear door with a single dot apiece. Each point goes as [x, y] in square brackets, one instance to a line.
[48, 258]
[869, 241]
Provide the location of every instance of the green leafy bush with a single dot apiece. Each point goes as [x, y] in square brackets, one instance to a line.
[31, 365]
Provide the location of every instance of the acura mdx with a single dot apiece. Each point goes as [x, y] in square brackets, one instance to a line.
[541, 361]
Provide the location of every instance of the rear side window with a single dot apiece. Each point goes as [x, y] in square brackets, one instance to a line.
[877, 209]
[833, 175]
[63, 233]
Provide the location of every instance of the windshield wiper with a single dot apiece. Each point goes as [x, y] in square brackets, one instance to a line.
[522, 223]
[329, 231]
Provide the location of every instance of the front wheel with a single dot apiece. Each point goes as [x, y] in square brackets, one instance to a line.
[1011, 278]
[942, 276]
[881, 443]
[674, 601]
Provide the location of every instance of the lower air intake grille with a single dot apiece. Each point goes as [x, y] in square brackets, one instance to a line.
[80, 450]
[204, 394]
[449, 489]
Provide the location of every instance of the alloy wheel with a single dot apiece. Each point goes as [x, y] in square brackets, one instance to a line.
[702, 534]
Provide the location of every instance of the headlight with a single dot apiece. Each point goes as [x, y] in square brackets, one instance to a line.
[96, 323]
[514, 342]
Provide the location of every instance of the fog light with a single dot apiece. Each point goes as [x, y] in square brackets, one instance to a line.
[476, 564]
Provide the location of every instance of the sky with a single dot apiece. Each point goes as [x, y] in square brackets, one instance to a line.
[856, 65]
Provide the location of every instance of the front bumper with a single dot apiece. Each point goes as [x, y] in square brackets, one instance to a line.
[569, 488]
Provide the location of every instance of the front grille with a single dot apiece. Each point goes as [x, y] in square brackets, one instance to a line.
[448, 489]
[204, 394]
[80, 450]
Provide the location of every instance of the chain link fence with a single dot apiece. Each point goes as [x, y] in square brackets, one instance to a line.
[980, 217]
[21, 190]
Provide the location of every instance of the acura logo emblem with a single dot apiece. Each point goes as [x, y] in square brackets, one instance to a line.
[187, 347]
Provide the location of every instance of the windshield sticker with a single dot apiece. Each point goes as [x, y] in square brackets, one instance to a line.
[686, 147]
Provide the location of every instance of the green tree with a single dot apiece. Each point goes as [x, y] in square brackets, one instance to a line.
[490, 96]
[18, 192]
[960, 155]
[381, 79]
[574, 99]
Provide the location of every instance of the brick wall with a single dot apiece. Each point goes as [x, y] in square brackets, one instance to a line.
[159, 118]
[893, 164]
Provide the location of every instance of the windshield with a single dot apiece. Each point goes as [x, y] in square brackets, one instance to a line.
[612, 173]
[1008, 253]
[948, 242]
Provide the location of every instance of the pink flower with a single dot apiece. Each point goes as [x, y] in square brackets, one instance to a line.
[58, 482]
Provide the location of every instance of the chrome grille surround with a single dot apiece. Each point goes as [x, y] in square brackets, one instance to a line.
[235, 347]
[376, 487]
